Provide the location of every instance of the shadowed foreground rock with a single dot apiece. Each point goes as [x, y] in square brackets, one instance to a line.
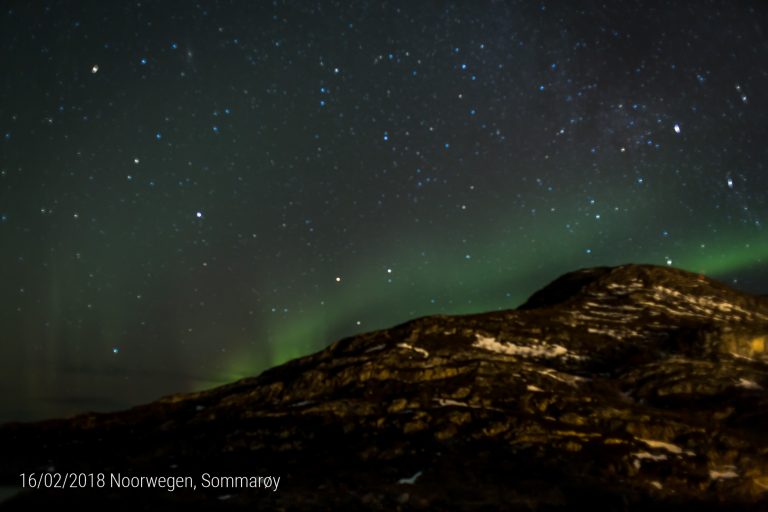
[624, 388]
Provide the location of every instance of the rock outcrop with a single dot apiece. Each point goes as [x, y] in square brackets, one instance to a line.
[622, 388]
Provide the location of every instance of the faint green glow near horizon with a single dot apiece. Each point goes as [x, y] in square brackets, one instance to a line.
[497, 275]
[731, 256]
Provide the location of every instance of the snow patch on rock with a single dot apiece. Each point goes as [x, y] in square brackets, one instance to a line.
[540, 350]
[641, 456]
[624, 332]
[749, 384]
[415, 349]
[567, 378]
[671, 448]
[723, 473]
[705, 305]
[447, 401]
[410, 480]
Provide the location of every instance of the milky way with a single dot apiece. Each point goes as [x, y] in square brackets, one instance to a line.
[191, 193]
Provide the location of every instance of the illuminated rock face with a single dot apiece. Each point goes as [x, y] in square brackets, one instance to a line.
[611, 389]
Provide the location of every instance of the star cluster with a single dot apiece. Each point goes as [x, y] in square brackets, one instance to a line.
[193, 192]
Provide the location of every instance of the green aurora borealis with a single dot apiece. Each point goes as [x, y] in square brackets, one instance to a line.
[191, 195]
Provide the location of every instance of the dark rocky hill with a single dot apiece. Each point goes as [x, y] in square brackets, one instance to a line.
[625, 388]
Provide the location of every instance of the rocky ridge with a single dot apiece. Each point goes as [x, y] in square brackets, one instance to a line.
[618, 388]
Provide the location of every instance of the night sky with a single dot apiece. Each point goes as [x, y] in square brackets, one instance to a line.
[191, 193]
